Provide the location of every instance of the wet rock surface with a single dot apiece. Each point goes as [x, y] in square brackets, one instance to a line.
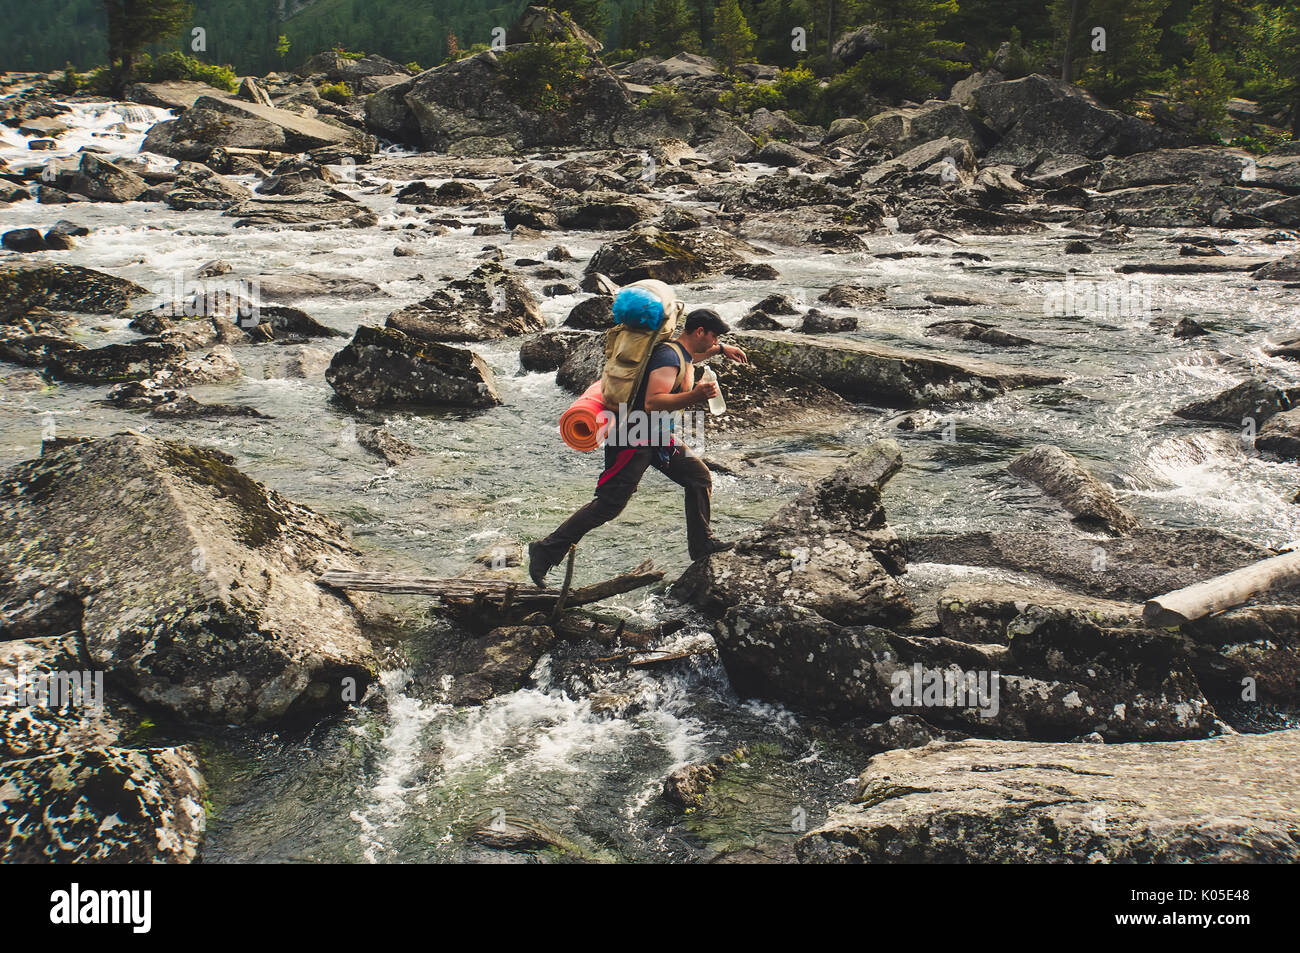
[1218, 800]
[382, 366]
[236, 630]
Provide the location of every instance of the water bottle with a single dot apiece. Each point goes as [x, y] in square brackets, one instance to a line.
[717, 405]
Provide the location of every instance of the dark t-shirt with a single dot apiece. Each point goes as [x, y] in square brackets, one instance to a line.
[663, 356]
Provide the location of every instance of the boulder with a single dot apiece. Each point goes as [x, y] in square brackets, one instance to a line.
[784, 155]
[309, 212]
[899, 130]
[382, 443]
[826, 551]
[1282, 269]
[498, 663]
[862, 371]
[199, 597]
[592, 314]
[947, 160]
[338, 68]
[382, 367]
[855, 44]
[1280, 435]
[288, 287]
[1254, 399]
[603, 211]
[491, 302]
[672, 257]
[219, 122]
[23, 240]
[1073, 125]
[987, 612]
[1003, 104]
[63, 288]
[56, 701]
[1199, 165]
[548, 351]
[1061, 476]
[942, 215]
[544, 24]
[114, 363]
[850, 294]
[483, 97]
[759, 321]
[103, 805]
[583, 364]
[198, 187]
[97, 178]
[818, 322]
[684, 67]
[1228, 799]
[1131, 568]
[975, 331]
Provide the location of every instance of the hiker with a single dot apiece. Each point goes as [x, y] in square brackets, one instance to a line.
[624, 465]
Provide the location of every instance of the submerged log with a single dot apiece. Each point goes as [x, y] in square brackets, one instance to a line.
[1222, 592]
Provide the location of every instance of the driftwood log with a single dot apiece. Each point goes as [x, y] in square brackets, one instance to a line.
[497, 596]
[1222, 592]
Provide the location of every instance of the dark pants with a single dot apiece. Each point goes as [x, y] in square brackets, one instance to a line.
[623, 469]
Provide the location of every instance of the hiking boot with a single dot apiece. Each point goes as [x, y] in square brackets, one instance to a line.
[538, 567]
[715, 546]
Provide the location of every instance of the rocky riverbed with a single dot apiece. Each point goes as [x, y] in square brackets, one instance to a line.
[1018, 363]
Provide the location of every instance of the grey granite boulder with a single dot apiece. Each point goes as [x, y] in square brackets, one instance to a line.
[1229, 799]
[192, 585]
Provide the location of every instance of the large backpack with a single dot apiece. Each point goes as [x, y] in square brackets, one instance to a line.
[629, 344]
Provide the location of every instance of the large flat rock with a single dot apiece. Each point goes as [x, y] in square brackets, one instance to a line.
[863, 371]
[192, 586]
[1229, 799]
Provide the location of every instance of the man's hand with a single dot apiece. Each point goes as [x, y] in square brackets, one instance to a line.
[704, 390]
[733, 353]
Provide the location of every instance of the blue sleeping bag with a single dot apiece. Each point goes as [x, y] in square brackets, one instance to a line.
[638, 308]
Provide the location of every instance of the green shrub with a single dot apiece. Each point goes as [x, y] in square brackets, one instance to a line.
[71, 82]
[415, 67]
[336, 93]
[544, 75]
[1205, 90]
[1264, 142]
[746, 97]
[675, 103]
[176, 65]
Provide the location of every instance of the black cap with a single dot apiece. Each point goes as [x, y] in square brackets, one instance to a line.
[708, 319]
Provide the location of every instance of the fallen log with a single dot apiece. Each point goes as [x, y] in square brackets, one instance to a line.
[511, 594]
[1221, 592]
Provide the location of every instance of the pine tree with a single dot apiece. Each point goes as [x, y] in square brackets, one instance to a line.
[1119, 61]
[672, 28]
[1277, 38]
[638, 33]
[914, 60]
[133, 25]
[591, 15]
[733, 40]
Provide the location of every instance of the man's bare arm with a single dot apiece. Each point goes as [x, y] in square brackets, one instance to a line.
[658, 396]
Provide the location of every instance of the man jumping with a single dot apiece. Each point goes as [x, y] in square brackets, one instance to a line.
[624, 464]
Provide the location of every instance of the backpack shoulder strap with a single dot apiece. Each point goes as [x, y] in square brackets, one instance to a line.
[681, 366]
